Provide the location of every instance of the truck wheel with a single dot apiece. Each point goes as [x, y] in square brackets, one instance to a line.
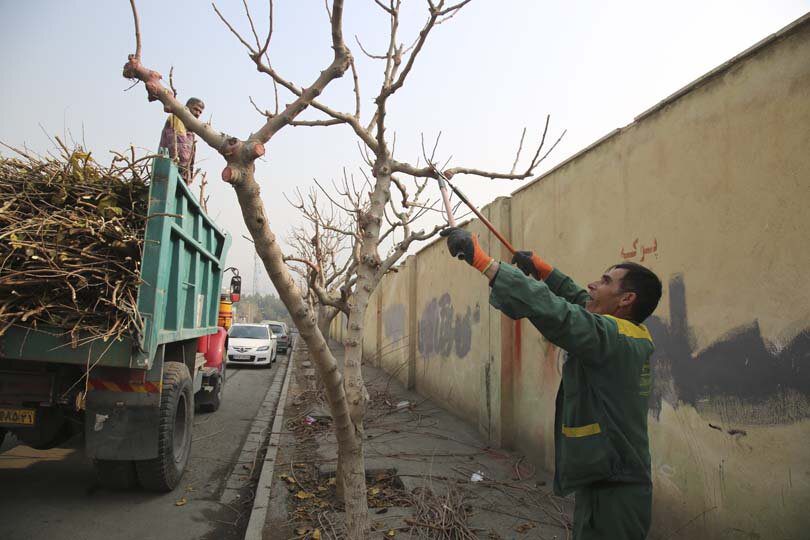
[174, 436]
[116, 474]
[215, 400]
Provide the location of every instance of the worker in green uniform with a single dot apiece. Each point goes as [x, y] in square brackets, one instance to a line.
[600, 430]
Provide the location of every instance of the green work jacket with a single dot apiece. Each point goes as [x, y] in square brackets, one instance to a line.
[600, 426]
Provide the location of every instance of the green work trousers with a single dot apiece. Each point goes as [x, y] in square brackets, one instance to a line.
[613, 511]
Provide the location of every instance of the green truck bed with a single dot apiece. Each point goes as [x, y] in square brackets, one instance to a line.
[178, 299]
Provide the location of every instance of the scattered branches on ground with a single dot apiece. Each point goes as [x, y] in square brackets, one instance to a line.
[441, 516]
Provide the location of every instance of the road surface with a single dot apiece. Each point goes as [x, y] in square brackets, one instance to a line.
[53, 494]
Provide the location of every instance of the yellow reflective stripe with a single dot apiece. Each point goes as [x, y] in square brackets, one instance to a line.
[626, 328]
[581, 431]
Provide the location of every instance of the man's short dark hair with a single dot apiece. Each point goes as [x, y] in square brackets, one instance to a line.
[642, 281]
[194, 101]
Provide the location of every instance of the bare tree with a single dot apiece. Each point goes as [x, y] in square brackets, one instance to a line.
[378, 152]
[323, 254]
[240, 156]
[327, 249]
[345, 391]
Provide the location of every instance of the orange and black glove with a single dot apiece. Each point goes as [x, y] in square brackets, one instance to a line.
[464, 245]
[531, 264]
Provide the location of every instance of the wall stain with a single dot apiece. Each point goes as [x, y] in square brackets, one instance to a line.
[393, 319]
[441, 330]
[445, 335]
[428, 329]
[740, 376]
[463, 333]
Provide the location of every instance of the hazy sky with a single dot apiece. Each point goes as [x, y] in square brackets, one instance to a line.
[496, 67]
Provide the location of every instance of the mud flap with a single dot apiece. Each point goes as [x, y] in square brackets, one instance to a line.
[122, 425]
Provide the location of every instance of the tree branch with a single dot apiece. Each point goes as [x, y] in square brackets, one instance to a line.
[305, 97]
[314, 123]
[372, 56]
[520, 147]
[429, 171]
[326, 300]
[403, 246]
[402, 190]
[310, 264]
[137, 29]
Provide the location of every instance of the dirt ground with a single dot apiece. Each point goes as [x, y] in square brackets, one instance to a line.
[428, 474]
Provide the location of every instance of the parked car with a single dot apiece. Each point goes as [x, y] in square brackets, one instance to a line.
[251, 344]
[282, 335]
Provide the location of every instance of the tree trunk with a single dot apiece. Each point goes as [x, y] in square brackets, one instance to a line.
[354, 473]
[326, 314]
[344, 396]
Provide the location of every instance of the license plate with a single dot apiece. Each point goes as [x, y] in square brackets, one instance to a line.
[18, 417]
[241, 356]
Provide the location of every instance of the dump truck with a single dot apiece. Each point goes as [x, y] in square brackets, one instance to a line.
[133, 400]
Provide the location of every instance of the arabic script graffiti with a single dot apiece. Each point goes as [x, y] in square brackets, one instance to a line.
[645, 250]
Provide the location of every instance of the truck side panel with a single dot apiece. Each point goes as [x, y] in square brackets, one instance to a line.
[50, 344]
[182, 269]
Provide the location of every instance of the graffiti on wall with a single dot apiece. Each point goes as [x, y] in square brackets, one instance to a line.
[443, 332]
[393, 319]
[741, 376]
[644, 252]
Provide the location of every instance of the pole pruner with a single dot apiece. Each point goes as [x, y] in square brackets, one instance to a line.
[443, 183]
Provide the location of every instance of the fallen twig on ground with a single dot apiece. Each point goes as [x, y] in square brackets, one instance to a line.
[441, 517]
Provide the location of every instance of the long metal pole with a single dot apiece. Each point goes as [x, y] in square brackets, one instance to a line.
[443, 180]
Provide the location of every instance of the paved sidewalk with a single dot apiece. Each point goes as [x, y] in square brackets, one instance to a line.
[445, 474]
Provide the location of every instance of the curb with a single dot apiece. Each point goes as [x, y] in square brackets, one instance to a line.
[261, 499]
[237, 479]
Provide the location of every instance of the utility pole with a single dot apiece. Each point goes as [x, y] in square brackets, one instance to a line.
[255, 286]
[255, 273]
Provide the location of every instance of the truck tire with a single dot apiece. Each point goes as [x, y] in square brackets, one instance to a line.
[116, 474]
[174, 436]
[215, 400]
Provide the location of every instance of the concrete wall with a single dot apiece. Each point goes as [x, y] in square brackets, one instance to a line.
[393, 355]
[458, 357]
[714, 186]
[710, 189]
[338, 327]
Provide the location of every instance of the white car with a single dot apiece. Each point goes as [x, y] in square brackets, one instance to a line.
[251, 344]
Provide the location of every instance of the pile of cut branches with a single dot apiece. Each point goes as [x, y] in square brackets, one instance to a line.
[71, 238]
[441, 516]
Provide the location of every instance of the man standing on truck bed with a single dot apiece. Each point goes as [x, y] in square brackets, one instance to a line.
[600, 429]
[180, 142]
